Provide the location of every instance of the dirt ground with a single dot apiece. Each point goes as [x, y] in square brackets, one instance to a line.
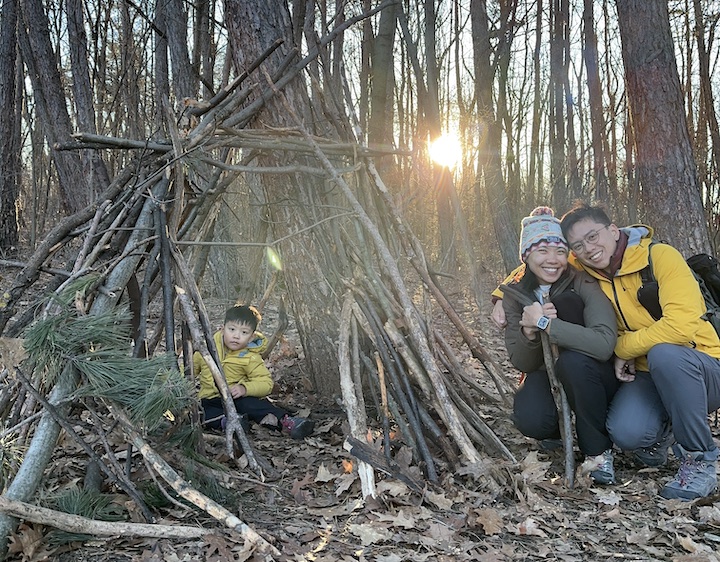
[313, 509]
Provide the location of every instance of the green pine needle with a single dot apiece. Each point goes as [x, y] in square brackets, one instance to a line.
[99, 346]
[85, 503]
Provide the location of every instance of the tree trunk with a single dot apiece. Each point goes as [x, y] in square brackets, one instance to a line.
[183, 79]
[39, 57]
[665, 164]
[490, 166]
[597, 119]
[535, 172]
[442, 182]
[93, 165]
[308, 266]
[558, 76]
[708, 116]
[380, 125]
[572, 162]
[9, 126]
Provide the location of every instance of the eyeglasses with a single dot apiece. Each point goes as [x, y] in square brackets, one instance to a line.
[590, 238]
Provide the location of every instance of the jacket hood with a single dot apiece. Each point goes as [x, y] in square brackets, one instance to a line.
[636, 233]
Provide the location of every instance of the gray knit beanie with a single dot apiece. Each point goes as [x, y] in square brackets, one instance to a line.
[540, 228]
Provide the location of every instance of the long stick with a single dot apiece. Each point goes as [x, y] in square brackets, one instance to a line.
[76, 524]
[185, 490]
[563, 407]
[549, 357]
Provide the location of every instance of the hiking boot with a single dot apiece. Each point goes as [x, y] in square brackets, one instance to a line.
[299, 428]
[657, 454]
[696, 477]
[604, 471]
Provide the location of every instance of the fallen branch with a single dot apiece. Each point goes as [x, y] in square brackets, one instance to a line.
[367, 454]
[76, 524]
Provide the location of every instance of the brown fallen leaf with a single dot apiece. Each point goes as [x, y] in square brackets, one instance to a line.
[490, 520]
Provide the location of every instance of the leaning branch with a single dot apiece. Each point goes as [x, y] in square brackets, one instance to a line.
[186, 491]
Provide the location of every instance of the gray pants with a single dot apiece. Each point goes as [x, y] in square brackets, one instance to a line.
[682, 388]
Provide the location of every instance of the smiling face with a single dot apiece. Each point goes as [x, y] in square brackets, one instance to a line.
[236, 335]
[593, 243]
[547, 263]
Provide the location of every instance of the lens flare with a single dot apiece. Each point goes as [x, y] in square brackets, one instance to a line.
[273, 258]
[446, 150]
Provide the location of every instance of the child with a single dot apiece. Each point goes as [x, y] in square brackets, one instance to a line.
[240, 350]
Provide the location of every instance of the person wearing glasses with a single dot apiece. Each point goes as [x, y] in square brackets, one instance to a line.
[670, 367]
[570, 308]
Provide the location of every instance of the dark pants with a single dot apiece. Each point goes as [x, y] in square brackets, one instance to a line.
[255, 408]
[589, 385]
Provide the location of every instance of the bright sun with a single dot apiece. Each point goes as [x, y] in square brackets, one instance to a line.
[445, 150]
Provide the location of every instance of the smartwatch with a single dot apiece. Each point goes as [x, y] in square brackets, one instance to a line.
[543, 322]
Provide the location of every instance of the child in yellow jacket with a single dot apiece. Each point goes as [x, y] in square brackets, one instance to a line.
[240, 349]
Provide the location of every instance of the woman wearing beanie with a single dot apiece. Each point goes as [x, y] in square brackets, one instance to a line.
[572, 309]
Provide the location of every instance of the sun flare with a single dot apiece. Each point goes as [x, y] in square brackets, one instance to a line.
[446, 150]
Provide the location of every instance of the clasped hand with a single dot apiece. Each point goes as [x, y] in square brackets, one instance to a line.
[532, 313]
[625, 369]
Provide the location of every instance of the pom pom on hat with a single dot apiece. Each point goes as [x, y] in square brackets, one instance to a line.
[542, 210]
[540, 228]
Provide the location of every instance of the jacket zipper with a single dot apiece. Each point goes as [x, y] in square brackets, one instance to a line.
[617, 304]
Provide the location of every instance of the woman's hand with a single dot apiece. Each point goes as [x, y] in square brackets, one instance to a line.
[532, 313]
[498, 314]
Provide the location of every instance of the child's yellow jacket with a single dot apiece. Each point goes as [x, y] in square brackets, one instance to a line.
[245, 367]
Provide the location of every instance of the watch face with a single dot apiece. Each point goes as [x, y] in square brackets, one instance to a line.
[543, 322]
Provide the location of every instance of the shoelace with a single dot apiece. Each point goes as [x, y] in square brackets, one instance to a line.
[607, 462]
[688, 470]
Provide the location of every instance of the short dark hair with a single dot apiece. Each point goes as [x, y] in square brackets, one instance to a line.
[582, 211]
[243, 314]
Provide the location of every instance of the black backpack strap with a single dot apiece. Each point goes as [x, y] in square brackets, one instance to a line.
[648, 293]
[646, 273]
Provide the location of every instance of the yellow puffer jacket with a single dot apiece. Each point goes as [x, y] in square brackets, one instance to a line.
[680, 298]
[245, 367]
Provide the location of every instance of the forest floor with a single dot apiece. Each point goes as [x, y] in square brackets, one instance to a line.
[314, 511]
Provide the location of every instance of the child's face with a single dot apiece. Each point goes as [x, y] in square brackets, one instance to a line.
[236, 336]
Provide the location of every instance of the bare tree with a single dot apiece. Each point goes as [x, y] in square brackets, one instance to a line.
[597, 119]
[9, 126]
[96, 172]
[40, 59]
[381, 99]
[309, 268]
[490, 162]
[707, 120]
